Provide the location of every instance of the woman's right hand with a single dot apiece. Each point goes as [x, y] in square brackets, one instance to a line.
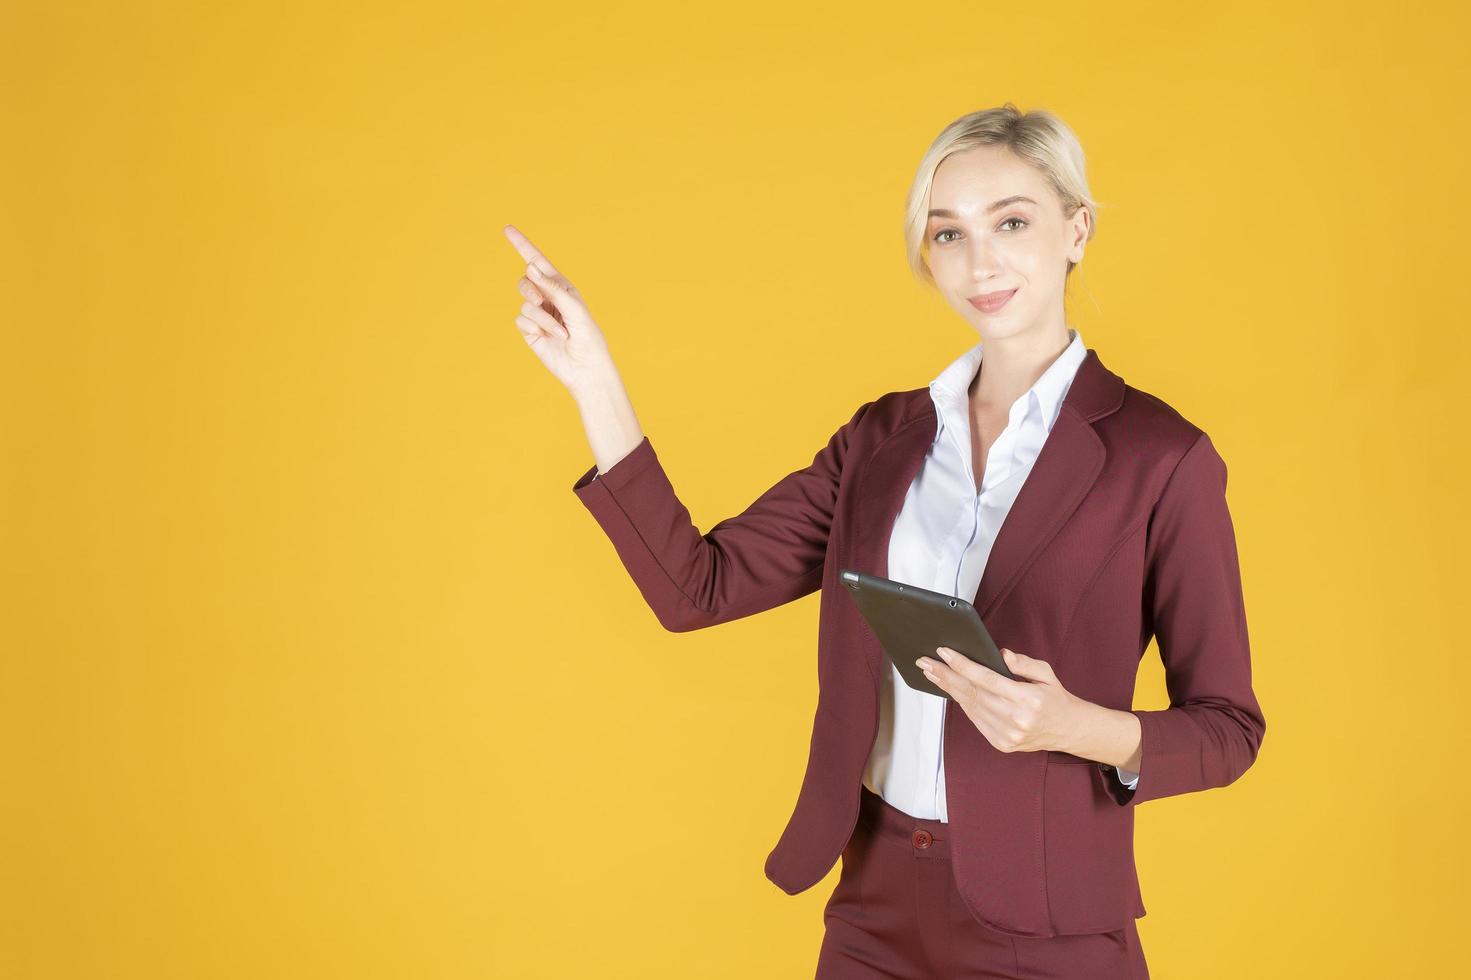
[556, 323]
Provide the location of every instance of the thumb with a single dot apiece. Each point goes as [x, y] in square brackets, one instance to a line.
[1024, 666]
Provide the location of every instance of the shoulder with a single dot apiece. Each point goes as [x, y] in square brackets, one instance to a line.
[1172, 449]
[1153, 426]
[885, 414]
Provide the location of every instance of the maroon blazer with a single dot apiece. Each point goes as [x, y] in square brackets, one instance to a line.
[1119, 534]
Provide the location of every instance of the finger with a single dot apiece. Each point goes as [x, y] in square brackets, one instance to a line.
[531, 331]
[956, 683]
[556, 291]
[978, 675]
[984, 708]
[528, 289]
[541, 294]
[928, 667]
[543, 319]
[528, 251]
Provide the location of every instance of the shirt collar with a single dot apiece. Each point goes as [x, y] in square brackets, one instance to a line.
[950, 389]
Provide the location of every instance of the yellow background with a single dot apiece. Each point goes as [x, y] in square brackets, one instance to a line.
[313, 666]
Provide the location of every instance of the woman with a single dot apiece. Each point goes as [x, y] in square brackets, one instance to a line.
[1080, 515]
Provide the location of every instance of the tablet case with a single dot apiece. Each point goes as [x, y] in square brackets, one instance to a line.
[911, 622]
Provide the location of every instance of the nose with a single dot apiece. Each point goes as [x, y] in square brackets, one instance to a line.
[982, 261]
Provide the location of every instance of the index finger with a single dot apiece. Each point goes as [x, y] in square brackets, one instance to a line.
[978, 674]
[528, 251]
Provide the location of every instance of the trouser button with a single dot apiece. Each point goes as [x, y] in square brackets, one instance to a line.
[922, 838]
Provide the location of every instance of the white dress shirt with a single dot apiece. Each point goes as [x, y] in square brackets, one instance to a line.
[941, 540]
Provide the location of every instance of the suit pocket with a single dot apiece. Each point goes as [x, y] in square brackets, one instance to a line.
[1088, 840]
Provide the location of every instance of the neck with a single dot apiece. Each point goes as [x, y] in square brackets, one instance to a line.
[1011, 365]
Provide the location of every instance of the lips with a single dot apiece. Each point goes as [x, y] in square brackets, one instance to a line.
[991, 302]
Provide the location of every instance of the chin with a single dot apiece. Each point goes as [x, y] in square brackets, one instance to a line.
[1001, 325]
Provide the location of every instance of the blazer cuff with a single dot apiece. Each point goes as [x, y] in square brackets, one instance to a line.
[619, 475]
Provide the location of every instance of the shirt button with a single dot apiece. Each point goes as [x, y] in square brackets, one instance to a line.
[922, 838]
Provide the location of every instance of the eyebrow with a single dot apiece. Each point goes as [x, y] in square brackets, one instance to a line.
[995, 206]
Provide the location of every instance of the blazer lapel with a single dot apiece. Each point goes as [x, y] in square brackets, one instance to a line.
[1061, 477]
[1064, 472]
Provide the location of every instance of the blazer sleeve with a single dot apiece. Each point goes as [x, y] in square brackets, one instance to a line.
[1214, 726]
[771, 553]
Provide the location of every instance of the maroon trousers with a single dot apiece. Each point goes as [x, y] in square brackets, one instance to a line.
[896, 913]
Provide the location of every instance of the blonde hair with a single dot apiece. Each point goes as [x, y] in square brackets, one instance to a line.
[1038, 137]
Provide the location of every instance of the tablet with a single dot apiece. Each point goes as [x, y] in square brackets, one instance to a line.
[911, 622]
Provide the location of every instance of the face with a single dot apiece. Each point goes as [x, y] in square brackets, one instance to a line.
[1000, 228]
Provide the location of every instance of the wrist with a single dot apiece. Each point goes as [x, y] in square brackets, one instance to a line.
[1075, 737]
[1106, 735]
[599, 387]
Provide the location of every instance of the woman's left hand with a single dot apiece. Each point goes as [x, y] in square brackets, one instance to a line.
[1025, 715]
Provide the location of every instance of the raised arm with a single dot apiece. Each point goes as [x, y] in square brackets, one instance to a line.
[769, 554]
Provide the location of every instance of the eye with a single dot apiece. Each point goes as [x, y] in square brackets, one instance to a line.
[938, 236]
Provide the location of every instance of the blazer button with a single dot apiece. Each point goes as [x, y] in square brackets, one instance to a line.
[922, 838]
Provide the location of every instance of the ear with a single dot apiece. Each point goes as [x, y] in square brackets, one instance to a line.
[1082, 222]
